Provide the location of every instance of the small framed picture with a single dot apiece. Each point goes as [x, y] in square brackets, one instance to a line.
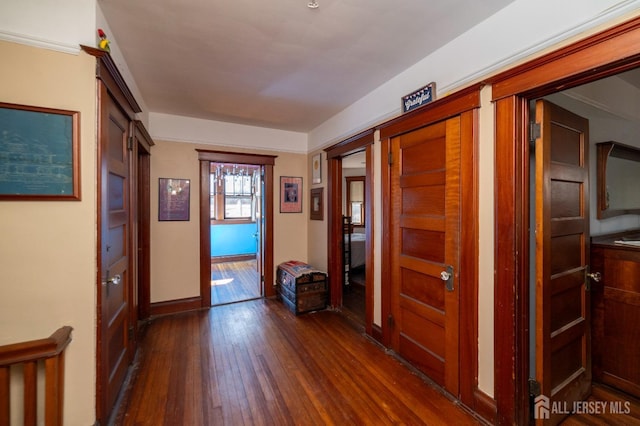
[316, 169]
[173, 199]
[290, 194]
[317, 207]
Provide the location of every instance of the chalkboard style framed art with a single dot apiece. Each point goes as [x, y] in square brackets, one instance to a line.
[39, 153]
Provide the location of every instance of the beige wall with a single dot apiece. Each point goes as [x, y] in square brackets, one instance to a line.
[318, 229]
[48, 249]
[175, 246]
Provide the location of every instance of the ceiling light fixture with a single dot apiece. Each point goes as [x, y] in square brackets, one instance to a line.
[313, 4]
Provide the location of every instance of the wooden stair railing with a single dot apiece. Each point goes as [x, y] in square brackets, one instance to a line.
[50, 351]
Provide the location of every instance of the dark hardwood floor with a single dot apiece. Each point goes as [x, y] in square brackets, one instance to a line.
[257, 363]
[615, 408]
[353, 297]
[234, 282]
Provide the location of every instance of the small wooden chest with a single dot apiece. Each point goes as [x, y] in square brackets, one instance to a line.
[301, 287]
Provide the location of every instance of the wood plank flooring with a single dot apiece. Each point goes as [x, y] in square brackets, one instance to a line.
[627, 406]
[257, 363]
[234, 282]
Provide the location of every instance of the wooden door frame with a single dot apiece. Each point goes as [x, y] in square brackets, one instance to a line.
[601, 55]
[464, 103]
[141, 168]
[109, 84]
[361, 141]
[268, 161]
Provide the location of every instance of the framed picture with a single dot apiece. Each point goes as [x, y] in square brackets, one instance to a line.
[173, 199]
[290, 194]
[317, 208]
[316, 169]
[39, 153]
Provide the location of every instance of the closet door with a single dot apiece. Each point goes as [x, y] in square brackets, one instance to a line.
[425, 217]
[114, 291]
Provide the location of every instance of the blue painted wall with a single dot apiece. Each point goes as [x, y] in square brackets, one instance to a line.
[230, 240]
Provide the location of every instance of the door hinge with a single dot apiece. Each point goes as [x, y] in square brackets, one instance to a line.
[261, 278]
[534, 387]
[131, 332]
[390, 158]
[534, 131]
[130, 143]
[390, 320]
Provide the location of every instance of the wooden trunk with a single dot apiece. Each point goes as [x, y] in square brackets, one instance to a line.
[301, 287]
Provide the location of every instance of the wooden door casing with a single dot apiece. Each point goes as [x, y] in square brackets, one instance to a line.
[425, 200]
[563, 330]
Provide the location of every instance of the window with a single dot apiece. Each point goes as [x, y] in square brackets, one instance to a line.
[237, 197]
[234, 192]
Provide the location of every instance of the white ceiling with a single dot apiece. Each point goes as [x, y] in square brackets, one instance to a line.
[278, 63]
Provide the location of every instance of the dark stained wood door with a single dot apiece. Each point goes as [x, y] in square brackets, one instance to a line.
[563, 330]
[115, 350]
[425, 217]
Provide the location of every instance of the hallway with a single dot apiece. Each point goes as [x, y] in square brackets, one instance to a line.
[256, 363]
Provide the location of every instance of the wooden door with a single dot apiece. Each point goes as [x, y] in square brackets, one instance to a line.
[563, 353]
[115, 351]
[425, 218]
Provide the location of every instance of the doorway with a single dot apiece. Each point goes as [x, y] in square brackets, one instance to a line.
[237, 186]
[236, 207]
[601, 56]
[354, 256]
[360, 149]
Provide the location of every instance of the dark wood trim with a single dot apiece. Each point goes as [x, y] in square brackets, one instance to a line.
[468, 325]
[107, 71]
[237, 258]
[205, 234]
[267, 161]
[376, 333]
[369, 217]
[604, 54]
[267, 243]
[454, 104]
[350, 145]
[142, 160]
[176, 306]
[235, 157]
[361, 141]
[484, 406]
[511, 217]
[334, 227]
[385, 267]
[144, 138]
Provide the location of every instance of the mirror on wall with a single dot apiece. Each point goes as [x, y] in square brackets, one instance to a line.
[618, 175]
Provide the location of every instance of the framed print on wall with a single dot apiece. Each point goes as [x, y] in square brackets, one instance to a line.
[40, 153]
[316, 169]
[173, 199]
[317, 208]
[290, 194]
